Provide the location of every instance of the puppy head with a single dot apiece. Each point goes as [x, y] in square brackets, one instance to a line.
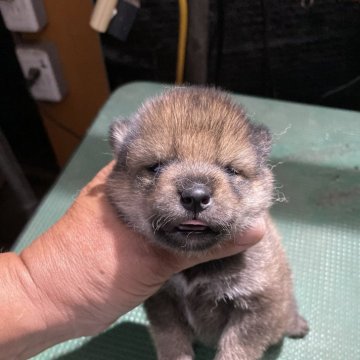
[191, 170]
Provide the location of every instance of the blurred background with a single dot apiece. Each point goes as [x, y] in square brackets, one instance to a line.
[306, 51]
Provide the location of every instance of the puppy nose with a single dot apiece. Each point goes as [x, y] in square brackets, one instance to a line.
[196, 199]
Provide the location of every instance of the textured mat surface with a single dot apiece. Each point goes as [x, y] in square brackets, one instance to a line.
[316, 159]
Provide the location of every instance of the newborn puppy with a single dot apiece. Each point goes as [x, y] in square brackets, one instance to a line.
[191, 173]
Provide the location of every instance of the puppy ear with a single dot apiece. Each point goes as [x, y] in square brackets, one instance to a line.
[261, 138]
[117, 134]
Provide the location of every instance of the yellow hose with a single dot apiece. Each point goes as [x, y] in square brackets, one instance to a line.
[183, 27]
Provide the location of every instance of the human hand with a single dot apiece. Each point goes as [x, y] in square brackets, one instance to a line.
[90, 268]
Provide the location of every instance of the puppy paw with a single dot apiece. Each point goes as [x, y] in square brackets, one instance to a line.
[298, 329]
[238, 354]
[176, 357]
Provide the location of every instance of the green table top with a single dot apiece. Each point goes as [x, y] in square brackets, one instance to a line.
[316, 158]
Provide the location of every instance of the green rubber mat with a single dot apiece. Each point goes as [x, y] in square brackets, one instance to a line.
[316, 159]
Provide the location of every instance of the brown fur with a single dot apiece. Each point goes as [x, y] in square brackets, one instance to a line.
[186, 137]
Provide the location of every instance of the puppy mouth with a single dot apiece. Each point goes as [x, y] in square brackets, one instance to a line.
[193, 226]
[189, 235]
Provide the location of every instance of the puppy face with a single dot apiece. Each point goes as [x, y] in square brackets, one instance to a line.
[190, 169]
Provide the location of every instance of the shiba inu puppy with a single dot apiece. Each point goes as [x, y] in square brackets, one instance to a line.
[192, 173]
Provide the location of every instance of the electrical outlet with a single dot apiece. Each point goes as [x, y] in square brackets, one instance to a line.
[50, 84]
[23, 15]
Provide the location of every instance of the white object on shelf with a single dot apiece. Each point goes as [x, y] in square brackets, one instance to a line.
[50, 85]
[103, 12]
[23, 15]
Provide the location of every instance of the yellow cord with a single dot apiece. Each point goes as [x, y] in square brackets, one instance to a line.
[183, 28]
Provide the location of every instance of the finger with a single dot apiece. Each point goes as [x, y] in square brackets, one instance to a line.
[102, 175]
[98, 181]
[252, 235]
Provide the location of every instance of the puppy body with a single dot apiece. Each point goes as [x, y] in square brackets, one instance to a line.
[191, 173]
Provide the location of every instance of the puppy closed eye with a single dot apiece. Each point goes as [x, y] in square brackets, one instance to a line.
[234, 172]
[154, 168]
